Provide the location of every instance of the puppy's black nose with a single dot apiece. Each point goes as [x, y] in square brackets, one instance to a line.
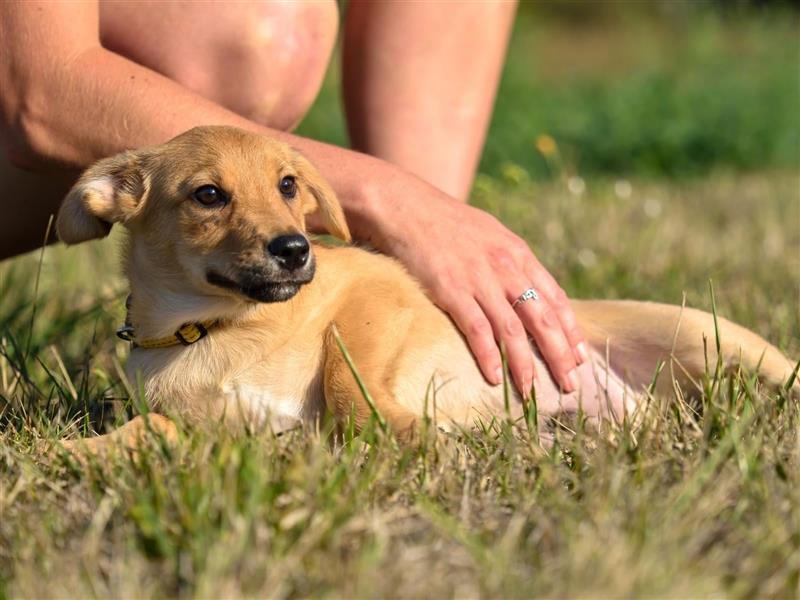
[290, 251]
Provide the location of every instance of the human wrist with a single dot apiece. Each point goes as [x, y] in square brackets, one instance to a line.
[370, 201]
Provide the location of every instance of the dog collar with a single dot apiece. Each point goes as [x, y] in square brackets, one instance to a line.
[186, 335]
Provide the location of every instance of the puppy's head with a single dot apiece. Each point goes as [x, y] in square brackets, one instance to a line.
[216, 210]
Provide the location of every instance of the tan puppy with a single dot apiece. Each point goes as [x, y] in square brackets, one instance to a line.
[216, 219]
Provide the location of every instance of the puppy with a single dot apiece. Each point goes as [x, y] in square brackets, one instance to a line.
[236, 317]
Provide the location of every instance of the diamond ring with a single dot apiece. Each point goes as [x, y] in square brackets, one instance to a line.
[529, 294]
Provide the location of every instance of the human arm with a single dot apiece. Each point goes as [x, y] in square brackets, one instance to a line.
[66, 101]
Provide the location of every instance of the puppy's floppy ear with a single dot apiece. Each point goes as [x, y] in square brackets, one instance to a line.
[327, 204]
[110, 191]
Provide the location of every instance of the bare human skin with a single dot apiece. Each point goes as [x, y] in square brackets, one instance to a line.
[84, 80]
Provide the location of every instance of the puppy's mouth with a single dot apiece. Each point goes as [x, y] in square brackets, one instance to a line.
[255, 286]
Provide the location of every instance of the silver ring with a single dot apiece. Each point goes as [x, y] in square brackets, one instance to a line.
[529, 294]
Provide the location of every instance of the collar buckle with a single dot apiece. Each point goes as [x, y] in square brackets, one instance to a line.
[190, 333]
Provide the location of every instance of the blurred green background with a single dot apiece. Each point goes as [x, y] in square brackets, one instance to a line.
[654, 89]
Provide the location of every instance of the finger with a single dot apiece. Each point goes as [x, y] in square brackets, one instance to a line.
[547, 287]
[541, 320]
[475, 327]
[510, 333]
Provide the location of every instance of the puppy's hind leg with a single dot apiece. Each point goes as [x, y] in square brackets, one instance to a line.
[130, 437]
[739, 348]
[640, 334]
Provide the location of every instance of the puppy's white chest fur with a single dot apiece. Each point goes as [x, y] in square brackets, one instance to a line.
[264, 400]
[262, 405]
[235, 381]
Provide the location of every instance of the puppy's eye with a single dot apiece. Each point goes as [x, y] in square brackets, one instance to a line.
[288, 187]
[209, 196]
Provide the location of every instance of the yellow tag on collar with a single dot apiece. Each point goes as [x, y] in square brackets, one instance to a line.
[186, 335]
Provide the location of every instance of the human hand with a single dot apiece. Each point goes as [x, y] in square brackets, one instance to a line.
[474, 268]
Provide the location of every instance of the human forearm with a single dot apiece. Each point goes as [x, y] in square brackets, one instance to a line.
[76, 111]
[60, 125]
[65, 101]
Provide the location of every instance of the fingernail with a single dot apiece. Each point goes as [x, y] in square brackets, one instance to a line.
[498, 375]
[583, 352]
[526, 390]
[572, 380]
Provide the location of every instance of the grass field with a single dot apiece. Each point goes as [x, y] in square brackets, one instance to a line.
[704, 500]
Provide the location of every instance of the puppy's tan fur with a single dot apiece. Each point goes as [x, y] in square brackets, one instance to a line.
[278, 363]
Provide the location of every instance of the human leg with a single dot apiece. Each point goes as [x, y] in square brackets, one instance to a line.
[419, 83]
[263, 60]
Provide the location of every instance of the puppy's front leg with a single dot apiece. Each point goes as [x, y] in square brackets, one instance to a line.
[344, 397]
[131, 436]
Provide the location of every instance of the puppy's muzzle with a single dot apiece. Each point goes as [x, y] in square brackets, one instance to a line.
[288, 265]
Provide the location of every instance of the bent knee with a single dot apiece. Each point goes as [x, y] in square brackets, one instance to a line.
[273, 72]
[264, 61]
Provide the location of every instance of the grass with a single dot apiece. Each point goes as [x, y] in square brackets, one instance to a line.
[702, 501]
